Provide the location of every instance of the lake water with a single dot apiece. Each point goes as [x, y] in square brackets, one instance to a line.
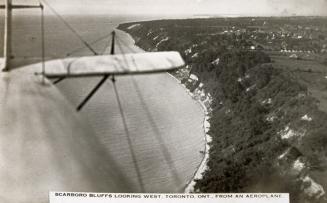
[156, 133]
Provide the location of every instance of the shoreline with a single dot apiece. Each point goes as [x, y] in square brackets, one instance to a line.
[203, 165]
[189, 187]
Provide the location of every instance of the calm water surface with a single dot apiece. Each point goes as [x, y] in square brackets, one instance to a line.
[156, 133]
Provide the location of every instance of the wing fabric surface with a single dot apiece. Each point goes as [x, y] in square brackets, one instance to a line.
[127, 64]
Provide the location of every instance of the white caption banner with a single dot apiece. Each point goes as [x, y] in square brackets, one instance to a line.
[81, 197]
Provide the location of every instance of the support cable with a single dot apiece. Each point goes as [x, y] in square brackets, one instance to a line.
[129, 140]
[70, 27]
[43, 42]
[107, 44]
[58, 80]
[158, 137]
[124, 121]
[95, 89]
[91, 43]
[124, 55]
[102, 81]
[125, 45]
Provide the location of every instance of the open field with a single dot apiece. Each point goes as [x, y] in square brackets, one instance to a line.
[311, 73]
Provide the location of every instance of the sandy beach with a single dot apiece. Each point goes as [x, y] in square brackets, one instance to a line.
[189, 188]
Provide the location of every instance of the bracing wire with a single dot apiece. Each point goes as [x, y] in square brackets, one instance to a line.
[91, 43]
[107, 45]
[123, 55]
[165, 151]
[70, 27]
[163, 148]
[125, 44]
[124, 121]
[43, 41]
[137, 168]
[158, 135]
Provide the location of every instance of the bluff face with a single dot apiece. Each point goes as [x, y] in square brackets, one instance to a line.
[267, 118]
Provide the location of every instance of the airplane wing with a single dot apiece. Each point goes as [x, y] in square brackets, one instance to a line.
[127, 64]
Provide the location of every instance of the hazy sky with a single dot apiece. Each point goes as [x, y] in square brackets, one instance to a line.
[190, 7]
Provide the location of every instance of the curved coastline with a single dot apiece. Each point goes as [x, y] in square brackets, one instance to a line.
[203, 165]
[189, 188]
[206, 125]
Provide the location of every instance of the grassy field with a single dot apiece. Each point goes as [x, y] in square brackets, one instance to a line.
[311, 73]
